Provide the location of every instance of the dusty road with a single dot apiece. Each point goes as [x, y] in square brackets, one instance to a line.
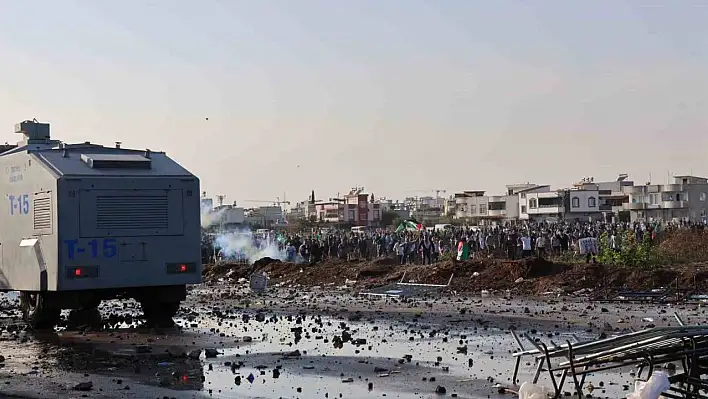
[308, 343]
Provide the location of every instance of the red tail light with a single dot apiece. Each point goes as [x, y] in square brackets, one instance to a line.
[181, 268]
[82, 272]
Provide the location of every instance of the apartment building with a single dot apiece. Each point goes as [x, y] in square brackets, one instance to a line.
[264, 216]
[331, 211]
[356, 207]
[302, 210]
[424, 202]
[540, 203]
[684, 200]
[426, 209]
[357, 210]
[450, 206]
[230, 216]
[428, 216]
[470, 204]
[476, 205]
[582, 204]
[612, 196]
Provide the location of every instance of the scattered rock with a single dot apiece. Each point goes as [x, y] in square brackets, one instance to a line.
[84, 386]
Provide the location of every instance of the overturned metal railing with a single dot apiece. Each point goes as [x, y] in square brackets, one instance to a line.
[396, 290]
[424, 285]
[687, 345]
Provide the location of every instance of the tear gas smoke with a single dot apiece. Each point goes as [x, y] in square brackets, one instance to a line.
[210, 217]
[243, 244]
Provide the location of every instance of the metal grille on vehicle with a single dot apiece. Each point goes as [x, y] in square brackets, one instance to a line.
[132, 212]
[42, 213]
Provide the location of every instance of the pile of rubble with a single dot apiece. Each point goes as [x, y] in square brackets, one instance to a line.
[529, 276]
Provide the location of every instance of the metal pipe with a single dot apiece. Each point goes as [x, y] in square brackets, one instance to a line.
[578, 388]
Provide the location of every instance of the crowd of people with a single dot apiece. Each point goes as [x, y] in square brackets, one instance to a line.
[509, 240]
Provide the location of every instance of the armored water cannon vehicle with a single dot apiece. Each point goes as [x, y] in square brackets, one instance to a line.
[84, 223]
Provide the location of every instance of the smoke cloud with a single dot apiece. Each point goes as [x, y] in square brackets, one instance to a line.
[210, 217]
[244, 245]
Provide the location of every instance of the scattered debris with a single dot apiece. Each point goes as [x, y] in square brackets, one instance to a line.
[539, 276]
[646, 350]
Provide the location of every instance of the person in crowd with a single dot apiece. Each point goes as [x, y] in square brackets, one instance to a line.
[501, 240]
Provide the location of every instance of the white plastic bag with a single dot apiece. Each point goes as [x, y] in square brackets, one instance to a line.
[652, 389]
[533, 391]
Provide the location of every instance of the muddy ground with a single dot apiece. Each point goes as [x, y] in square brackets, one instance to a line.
[531, 276]
[298, 342]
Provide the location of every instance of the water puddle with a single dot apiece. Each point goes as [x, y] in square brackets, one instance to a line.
[280, 355]
[405, 359]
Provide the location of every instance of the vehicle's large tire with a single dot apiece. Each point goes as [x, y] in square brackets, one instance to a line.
[85, 317]
[159, 314]
[38, 312]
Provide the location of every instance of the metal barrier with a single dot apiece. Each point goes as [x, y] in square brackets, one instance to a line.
[687, 345]
[401, 289]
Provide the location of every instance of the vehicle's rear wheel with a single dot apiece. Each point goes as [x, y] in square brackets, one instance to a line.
[38, 312]
[159, 314]
[85, 317]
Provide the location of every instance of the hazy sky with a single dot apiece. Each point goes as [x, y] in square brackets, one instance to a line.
[394, 95]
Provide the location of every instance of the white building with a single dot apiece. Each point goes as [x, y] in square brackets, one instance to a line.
[424, 202]
[230, 216]
[612, 194]
[302, 210]
[582, 205]
[685, 200]
[503, 206]
[540, 203]
[265, 216]
[477, 205]
[450, 206]
[471, 204]
[426, 209]
[537, 202]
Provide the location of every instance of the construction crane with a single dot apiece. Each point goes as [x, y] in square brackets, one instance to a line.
[437, 191]
[276, 202]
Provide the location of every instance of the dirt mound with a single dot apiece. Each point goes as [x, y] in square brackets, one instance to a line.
[528, 276]
[386, 262]
[538, 267]
[336, 273]
[212, 273]
[375, 271]
[472, 275]
[685, 246]
[265, 262]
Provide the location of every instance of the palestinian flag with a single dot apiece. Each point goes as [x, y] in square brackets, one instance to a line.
[463, 250]
[409, 225]
[418, 225]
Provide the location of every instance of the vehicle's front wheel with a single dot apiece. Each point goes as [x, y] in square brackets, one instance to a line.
[38, 312]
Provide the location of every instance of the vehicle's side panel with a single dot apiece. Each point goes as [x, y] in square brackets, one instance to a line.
[27, 223]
